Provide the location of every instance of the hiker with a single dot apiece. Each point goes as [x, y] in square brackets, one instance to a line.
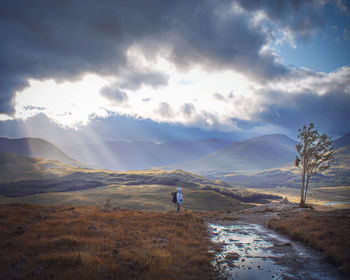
[179, 198]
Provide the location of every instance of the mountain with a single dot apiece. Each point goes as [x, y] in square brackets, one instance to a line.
[342, 141]
[258, 153]
[122, 155]
[337, 175]
[35, 147]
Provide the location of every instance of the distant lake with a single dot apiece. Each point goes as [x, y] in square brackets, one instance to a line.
[333, 203]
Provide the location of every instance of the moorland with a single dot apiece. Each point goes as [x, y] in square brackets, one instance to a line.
[62, 218]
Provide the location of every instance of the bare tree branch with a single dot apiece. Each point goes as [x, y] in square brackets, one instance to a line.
[315, 153]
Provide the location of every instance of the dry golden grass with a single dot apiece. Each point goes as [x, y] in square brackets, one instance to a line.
[66, 242]
[328, 232]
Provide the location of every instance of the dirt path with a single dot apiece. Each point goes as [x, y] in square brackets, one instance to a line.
[247, 249]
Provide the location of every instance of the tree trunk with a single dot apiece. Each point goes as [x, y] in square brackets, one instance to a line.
[302, 193]
[306, 187]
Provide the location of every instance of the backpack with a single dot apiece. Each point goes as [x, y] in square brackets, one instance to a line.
[174, 200]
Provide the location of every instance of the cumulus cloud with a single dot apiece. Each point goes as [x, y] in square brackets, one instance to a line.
[114, 94]
[135, 79]
[219, 96]
[281, 106]
[327, 111]
[301, 17]
[63, 40]
[311, 97]
[165, 111]
[30, 108]
[188, 110]
[101, 129]
[276, 107]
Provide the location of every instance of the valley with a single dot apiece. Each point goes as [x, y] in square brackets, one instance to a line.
[47, 182]
[257, 170]
[84, 220]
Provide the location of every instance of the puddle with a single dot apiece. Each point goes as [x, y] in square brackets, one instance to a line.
[250, 251]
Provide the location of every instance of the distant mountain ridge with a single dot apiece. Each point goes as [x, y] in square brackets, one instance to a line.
[204, 156]
[122, 155]
[259, 153]
[337, 175]
[35, 147]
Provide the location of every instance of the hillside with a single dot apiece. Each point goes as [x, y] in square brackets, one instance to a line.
[122, 155]
[47, 182]
[342, 141]
[14, 168]
[258, 153]
[35, 147]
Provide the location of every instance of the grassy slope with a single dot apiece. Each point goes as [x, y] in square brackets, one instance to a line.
[65, 242]
[150, 197]
[325, 231]
[46, 182]
[16, 168]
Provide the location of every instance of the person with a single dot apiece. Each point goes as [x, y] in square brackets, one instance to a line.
[179, 198]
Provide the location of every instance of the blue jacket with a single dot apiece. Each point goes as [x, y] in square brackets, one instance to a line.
[179, 197]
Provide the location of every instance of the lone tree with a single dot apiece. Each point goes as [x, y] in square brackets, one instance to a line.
[315, 154]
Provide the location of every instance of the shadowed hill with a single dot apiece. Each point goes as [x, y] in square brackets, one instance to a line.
[35, 147]
[258, 153]
[342, 141]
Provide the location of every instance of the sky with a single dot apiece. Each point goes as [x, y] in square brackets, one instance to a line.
[156, 70]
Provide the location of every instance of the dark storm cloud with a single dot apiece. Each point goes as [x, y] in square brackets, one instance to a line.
[133, 80]
[329, 112]
[218, 37]
[65, 39]
[8, 84]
